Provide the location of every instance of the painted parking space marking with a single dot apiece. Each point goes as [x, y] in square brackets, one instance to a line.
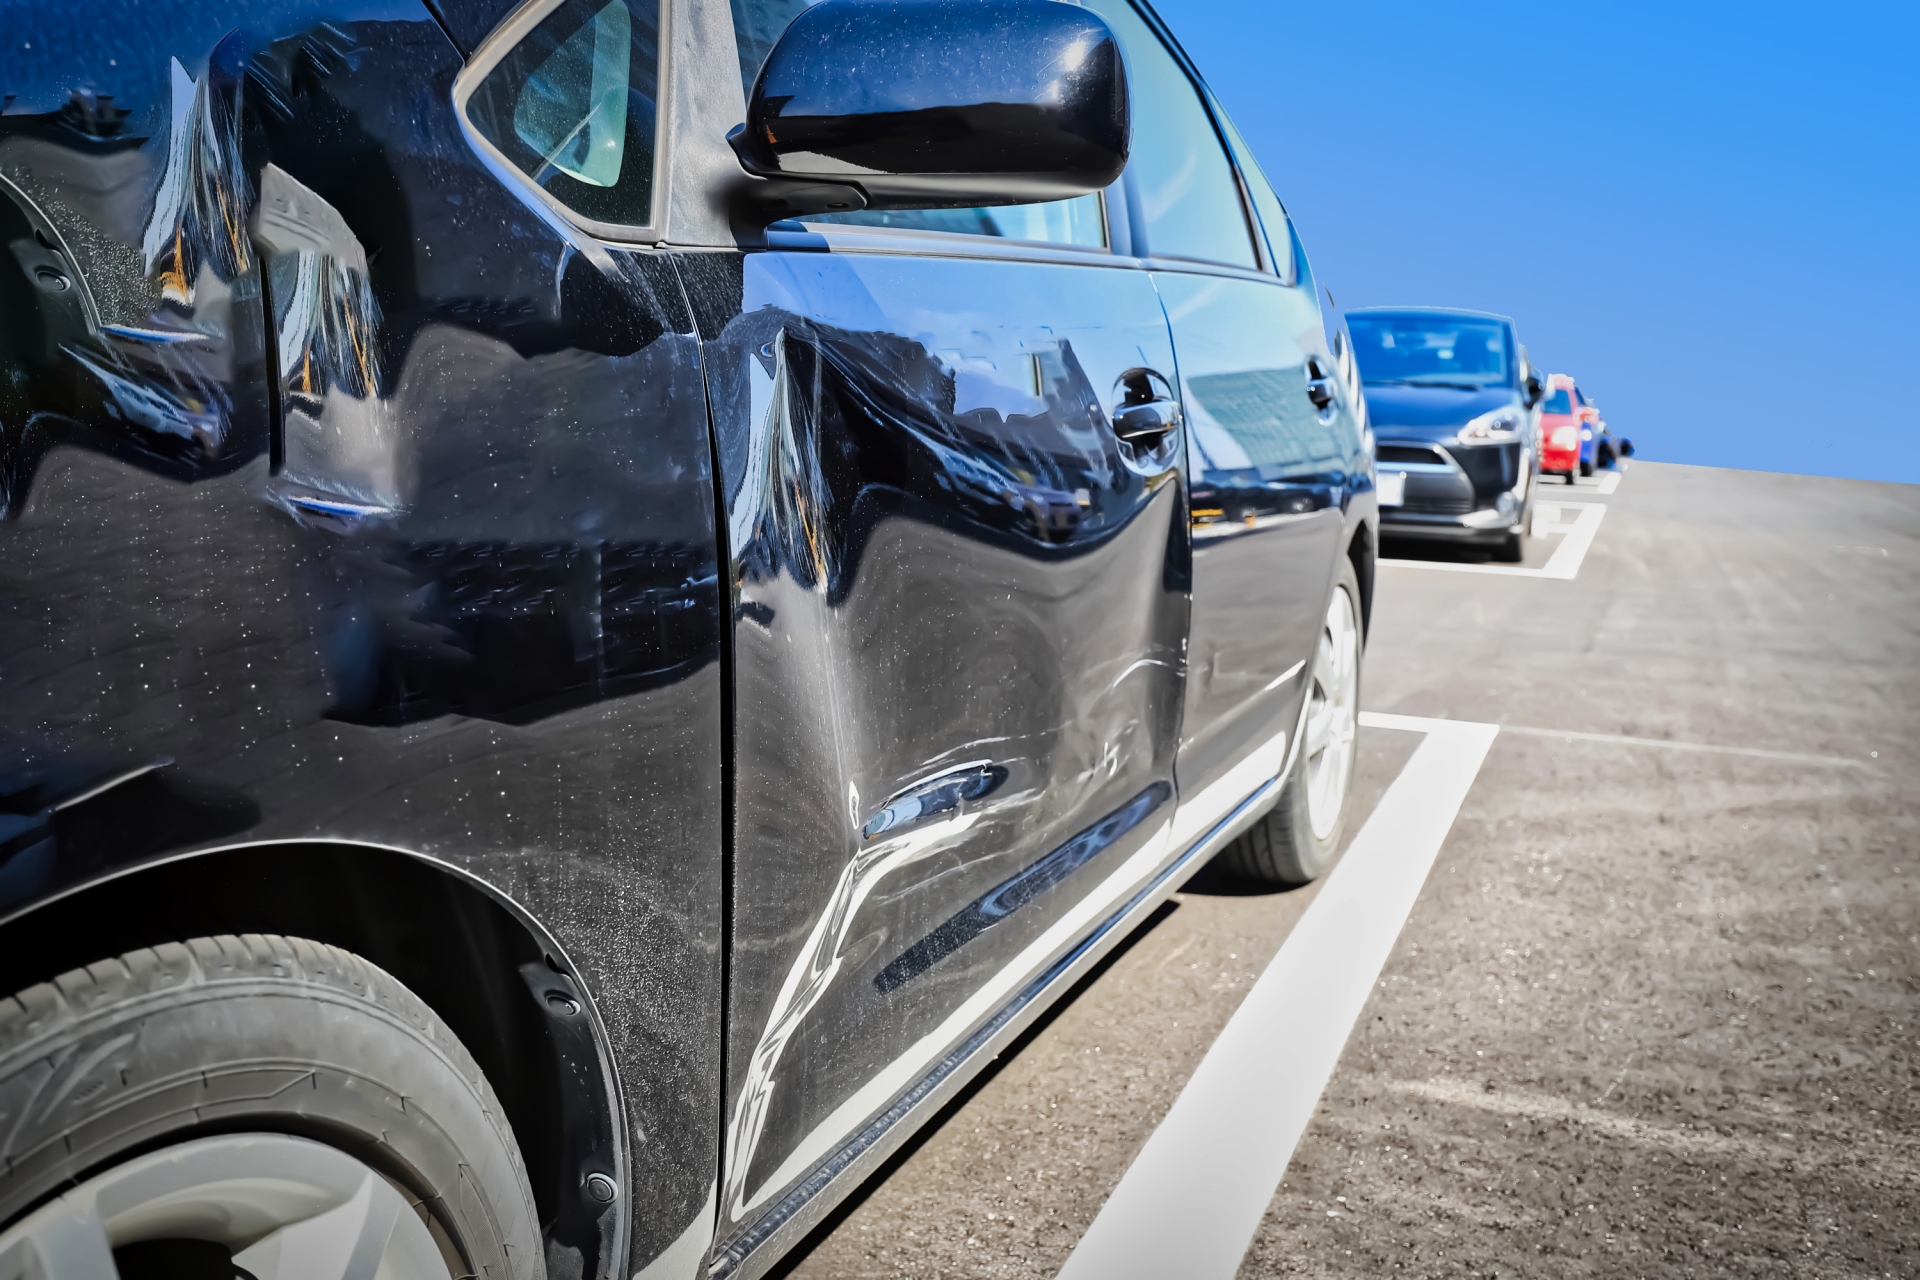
[1624, 740]
[1554, 518]
[1563, 564]
[1192, 1199]
[1604, 483]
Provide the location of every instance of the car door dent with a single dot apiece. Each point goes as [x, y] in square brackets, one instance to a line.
[1139, 664]
[1007, 1019]
[919, 469]
[946, 790]
[1285, 676]
[904, 1070]
[1019, 889]
[812, 972]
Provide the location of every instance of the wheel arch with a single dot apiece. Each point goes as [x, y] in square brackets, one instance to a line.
[484, 964]
[1360, 551]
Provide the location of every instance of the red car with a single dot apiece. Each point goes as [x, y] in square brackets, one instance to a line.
[1562, 414]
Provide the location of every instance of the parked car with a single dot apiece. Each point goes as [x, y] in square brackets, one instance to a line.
[1451, 397]
[574, 667]
[1600, 448]
[1563, 422]
[1590, 427]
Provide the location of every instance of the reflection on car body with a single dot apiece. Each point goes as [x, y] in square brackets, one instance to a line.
[716, 633]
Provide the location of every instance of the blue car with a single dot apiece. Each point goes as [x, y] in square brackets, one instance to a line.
[1454, 404]
[1600, 448]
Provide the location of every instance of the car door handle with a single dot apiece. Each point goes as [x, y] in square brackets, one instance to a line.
[1320, 384]
[1146, 425]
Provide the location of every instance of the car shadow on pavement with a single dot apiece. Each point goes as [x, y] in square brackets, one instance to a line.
[1380, 756]
[1430, 549]
[1218, 881]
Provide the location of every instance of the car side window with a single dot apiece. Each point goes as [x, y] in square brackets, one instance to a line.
[757, 25]
[572, 106]
[1188, 197]
[1081, 221]
[1273, 218]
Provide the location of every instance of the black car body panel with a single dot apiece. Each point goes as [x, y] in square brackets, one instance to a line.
[771, 625]
[461, 601]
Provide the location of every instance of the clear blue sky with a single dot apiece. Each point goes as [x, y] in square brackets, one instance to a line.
[1707, 212]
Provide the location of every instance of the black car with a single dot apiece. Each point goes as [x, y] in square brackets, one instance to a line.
[602, 601]
[1453, 403]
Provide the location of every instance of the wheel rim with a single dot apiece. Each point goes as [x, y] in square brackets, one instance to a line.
[1331, 713]
[281, 1205]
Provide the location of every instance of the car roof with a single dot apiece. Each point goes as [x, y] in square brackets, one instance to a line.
[1429, 311]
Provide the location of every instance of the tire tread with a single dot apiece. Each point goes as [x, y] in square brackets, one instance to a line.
[43, 1026]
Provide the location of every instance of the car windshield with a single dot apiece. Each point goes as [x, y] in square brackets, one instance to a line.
[1437, 351]
[1558, 402]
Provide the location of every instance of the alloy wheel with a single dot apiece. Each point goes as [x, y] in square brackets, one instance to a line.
[282, 1206]
[1331, 716]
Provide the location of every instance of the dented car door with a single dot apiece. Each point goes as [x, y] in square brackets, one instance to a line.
[957, 615]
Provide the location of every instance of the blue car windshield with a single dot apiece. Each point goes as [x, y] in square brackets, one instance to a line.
[1441, 351]
[1558, 402]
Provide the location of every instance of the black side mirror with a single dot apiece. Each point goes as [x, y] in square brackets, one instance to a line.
[935, 104]
[1535, 392]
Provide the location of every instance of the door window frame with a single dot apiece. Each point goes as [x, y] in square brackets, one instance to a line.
[494, 49]
[1264, 252]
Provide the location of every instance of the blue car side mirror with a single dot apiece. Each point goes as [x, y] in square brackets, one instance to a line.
[929, 104]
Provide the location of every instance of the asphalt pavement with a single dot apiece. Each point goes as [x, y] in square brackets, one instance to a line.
[1653, 1013]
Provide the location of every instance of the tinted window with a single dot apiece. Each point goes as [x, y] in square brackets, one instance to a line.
[1273, 218]
[1558, 402]
[1436, 350]
[1188, 197]
[757, 25]
[572, 107]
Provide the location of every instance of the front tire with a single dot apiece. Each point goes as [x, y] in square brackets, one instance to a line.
[1511, 549]
[295, 1061]
[1297, 839]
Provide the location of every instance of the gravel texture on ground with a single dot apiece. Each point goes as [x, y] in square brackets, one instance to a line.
[1654, 1014]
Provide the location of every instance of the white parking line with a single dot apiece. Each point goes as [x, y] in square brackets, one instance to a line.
[1667, 744]
[1563, 564]
[1191, 1201]
[1603, 483]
